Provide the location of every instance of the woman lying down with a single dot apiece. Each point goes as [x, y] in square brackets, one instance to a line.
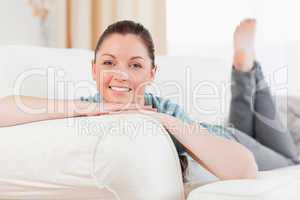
[124, 64]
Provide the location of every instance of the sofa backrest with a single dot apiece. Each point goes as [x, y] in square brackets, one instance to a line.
[42, 71]
[201, 86]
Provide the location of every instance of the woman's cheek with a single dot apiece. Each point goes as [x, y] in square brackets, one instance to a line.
[139, 87]
[103, 82]
[105, 78]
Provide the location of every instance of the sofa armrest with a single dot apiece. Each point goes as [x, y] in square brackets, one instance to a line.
[138, 160]
[129, 156]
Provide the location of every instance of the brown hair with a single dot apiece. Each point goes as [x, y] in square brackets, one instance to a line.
[129, 27]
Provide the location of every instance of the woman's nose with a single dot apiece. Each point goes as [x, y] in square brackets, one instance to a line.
[121, 75]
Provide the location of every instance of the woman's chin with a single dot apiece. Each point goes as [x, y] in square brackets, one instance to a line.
[124, 101]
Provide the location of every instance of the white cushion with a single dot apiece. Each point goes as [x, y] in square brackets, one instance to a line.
[290, 116]
[105, 157]
[270, 185]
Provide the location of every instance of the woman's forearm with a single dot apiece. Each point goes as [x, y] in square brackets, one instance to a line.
[24, 109]
[225, 158]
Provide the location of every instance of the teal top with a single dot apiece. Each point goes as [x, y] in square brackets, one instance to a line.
[170, 108]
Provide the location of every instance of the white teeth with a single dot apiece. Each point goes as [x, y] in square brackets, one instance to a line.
[120, 89]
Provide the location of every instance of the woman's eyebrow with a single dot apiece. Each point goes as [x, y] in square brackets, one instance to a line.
[107, 54]
[137, 57]
[132, 58]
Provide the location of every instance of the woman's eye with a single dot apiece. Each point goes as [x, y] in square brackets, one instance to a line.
[136, 65]
[107, 63]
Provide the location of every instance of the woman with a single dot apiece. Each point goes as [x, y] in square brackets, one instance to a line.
[124, 64]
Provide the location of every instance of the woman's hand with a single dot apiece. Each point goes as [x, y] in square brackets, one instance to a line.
[111, 108]
[25, 109]
[172, 124]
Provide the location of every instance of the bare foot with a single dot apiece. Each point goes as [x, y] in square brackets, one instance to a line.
[244, 36]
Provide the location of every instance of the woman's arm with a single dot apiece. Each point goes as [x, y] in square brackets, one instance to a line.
[224, 158]
[16, 110]
[24, 109]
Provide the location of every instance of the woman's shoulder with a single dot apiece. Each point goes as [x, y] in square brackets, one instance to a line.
[159, 102]
[167, 106]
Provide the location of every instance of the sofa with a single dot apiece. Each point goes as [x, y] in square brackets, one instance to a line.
[111, 156]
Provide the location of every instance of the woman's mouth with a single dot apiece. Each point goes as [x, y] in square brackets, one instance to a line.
[120, 89]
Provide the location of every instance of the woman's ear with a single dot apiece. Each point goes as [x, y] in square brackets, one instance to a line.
[94, 72]
[153, 72]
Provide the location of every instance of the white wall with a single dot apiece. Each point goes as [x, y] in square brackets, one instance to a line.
[17, 26]
[204, 28]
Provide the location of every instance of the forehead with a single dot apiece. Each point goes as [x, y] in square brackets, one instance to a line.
[127, 45]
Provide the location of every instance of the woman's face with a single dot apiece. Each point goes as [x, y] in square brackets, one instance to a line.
[122, 69]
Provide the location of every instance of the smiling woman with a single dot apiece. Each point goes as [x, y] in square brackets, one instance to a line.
[124, 63]
[123, 66]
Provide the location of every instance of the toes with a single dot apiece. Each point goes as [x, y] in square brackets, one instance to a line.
[247, 25]
[246, 29]
[249, 20]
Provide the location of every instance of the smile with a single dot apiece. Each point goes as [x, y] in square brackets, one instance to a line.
[120, 89]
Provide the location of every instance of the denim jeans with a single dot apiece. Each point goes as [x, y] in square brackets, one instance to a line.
[256, 122]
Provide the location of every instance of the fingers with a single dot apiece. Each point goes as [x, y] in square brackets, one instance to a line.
[108, 108]
[145, 111]
[135, 107]
[119, 107]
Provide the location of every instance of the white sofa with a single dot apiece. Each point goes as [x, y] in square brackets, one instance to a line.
[78, 159]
